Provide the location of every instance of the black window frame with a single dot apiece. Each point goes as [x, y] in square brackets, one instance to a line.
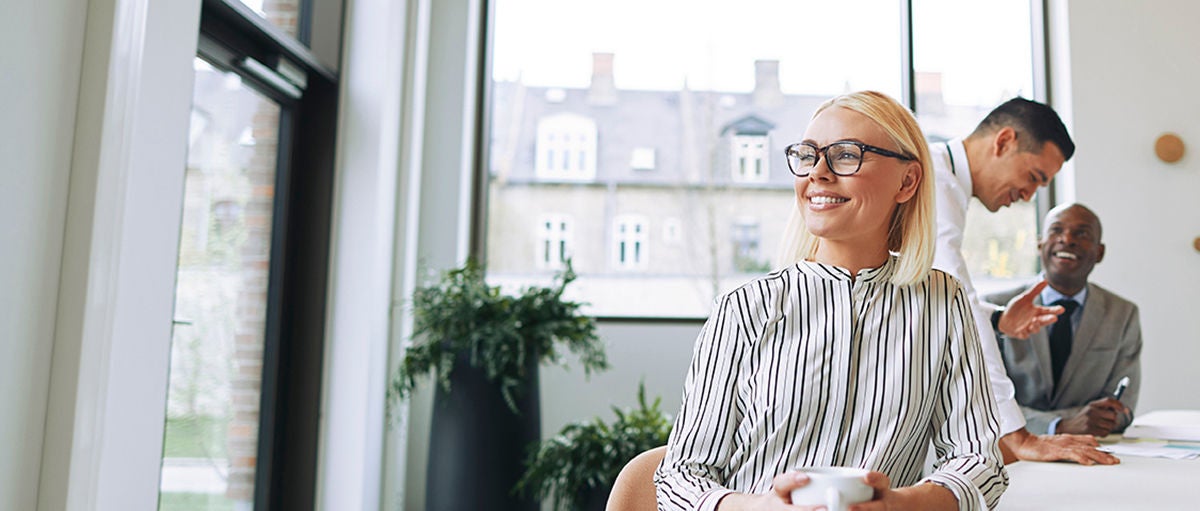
[294, 338]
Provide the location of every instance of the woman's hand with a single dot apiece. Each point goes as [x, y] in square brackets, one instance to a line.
[779, 499]
[921, 497]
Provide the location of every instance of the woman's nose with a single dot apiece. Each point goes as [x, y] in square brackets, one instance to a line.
[821, 171]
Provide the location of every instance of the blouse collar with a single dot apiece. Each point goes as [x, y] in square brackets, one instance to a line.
[839, 274]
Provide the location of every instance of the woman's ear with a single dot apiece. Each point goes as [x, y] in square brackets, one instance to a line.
[913, 173]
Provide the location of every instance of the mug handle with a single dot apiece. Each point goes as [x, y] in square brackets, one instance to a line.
[833, 499]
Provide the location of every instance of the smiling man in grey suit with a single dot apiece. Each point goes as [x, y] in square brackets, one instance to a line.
[1065, 375]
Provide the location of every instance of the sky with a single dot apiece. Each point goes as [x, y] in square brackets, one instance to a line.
[982, 47]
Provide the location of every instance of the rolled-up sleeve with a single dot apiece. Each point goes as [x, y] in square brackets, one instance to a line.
[965, 422]
[702, 439]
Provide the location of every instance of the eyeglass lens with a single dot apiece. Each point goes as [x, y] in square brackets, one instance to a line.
[843, 158]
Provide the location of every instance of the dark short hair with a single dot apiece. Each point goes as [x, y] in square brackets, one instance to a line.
[1035, 124]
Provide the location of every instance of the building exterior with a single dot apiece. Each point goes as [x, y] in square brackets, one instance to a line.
[661, 199]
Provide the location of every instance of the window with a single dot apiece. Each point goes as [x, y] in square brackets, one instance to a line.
[956, 86]
[717, 100]
[240, 431]
[747, 257]
[629, 242]
[554, 241]
[750, 158]
[643, 158]
[566, 148]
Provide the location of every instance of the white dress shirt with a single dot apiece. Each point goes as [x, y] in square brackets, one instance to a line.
[952, 175]
[808, 367]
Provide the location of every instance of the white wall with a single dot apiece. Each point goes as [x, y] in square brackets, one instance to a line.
[657, 353]
[1133, 75]
[42, 47]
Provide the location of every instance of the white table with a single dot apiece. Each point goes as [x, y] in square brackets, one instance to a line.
[1137, 483]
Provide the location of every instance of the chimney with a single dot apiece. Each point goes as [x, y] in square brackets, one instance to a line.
[766, 83]
[603, 90]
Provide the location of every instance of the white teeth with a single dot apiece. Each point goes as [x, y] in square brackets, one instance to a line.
[821, 199]
[1066, 255]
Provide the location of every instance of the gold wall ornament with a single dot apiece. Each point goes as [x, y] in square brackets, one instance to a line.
[1169, 147]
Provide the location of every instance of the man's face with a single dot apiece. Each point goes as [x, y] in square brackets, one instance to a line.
[1070, 247]
[1015, 175]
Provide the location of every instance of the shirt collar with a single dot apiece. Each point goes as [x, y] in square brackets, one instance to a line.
[837, 273]
[1050, 295]
[962, 167]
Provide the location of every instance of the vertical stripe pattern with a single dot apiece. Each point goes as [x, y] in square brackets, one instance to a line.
[808, 367]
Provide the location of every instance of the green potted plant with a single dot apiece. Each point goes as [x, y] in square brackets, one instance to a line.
[577, 467]
[483, 348]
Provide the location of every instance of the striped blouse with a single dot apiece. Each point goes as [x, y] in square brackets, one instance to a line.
[808, 367]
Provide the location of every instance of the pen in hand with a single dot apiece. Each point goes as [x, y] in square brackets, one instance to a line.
[1121, 385]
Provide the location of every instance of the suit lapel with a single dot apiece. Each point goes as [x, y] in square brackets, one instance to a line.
[1093, 312]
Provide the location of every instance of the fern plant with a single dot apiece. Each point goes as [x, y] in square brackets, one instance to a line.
[461, 313]
[587, 456]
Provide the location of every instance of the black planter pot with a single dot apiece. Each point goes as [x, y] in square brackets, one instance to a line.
[477, 445]
[596, 499]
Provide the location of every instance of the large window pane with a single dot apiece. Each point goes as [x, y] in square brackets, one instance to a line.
[211, 442]
[970, 57]
[644, 139]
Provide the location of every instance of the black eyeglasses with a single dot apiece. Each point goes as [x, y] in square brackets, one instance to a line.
[842, 158]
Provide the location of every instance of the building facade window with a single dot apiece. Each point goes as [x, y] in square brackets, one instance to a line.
[554, 233]
[747, 239]
[566, 148]
[629, 242]
[643, 158]
[750, 158]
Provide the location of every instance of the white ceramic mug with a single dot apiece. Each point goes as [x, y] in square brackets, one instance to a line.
[834, 487]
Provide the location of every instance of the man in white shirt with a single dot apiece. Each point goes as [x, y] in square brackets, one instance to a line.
[1016, 149]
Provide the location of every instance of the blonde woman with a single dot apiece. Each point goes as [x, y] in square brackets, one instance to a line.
[855, 354]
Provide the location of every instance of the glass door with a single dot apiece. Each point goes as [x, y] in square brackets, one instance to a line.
[211, 441]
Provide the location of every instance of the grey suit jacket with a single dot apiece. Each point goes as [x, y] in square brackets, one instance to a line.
[1107, 346]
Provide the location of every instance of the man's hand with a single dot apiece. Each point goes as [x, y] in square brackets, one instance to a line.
[1081, 449]
[1022, 318]
[1099, 418]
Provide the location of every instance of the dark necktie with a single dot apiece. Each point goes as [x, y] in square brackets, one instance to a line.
[1060, 338]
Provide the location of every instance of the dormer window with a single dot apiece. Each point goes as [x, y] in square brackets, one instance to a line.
[749, 151]
[566, 148]
[750, 158]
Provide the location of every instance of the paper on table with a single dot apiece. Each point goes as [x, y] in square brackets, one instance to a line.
[1154, 450]
[1181, 425]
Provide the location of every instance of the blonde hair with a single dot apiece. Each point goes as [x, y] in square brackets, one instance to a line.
[911, 235]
